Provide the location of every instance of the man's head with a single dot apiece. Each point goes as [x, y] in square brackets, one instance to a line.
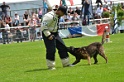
[4, 3]
[62, 10]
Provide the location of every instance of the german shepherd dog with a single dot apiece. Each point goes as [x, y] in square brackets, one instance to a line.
[87, 52]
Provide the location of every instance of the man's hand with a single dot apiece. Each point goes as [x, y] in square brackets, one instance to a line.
[51, 37]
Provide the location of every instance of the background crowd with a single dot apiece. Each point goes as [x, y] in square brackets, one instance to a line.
[33, 19]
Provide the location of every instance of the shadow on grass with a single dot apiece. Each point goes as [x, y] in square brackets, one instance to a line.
[42, 69]
[35, 70]
[81, 65]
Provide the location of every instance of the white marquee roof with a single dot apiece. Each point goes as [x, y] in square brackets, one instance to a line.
[14, 1]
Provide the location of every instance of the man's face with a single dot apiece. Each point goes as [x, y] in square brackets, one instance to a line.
[59, 13]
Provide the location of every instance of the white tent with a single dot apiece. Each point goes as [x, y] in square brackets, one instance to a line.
[23, 4]
[76, 2]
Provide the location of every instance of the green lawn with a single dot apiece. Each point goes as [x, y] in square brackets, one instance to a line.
[25, 62]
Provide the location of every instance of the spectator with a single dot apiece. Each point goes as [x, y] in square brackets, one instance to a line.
[98, 1]
[32, 25]
[25, 33]
[78, 11]
[8, 20]
[7, 27]
[75, 17]
[37, 20]
[5, 36]
[71, 11]
[106, 9]
[45, 6]
[40, 13]
[61, 20]
[99, 11]
[86, 4]
[16, 19]
[69, 17]
[4, 9]
[108, 2]
[39, 35]
[2, 24]
[122, 5]
[33, 15]
[26, 18]
[63, 3]
[18, 35]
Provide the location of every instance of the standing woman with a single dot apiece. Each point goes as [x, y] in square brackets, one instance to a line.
[40, 13]
[32, 25]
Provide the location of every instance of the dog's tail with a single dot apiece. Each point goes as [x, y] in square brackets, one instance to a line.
[103, 37]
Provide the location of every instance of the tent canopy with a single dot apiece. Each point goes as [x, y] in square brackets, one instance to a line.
[76, 2]
[14, 1]
[22, 4]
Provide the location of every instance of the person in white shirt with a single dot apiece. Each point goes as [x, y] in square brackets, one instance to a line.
[108, 1]
[75, 17]
[16, 19]
[69, 17]
[99, 11]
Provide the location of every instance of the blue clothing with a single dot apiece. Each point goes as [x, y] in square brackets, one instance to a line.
[63, 3]
[61, 19]
[86, 8]
[45, 5]
[87, 11]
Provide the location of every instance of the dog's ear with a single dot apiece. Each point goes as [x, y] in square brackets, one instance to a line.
[79, 50]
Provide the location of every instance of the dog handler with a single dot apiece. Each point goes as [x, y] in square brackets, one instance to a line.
[52, 40]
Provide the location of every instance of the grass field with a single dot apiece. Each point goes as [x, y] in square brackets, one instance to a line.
[25, 62]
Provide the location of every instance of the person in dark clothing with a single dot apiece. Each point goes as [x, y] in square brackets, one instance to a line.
[71, 11]
[98, 1]
[18, 35]
[26, 18]
[5, 36]
[78, 11]
[4, 9]
[86, 11]
[8, 20]
[4, 33]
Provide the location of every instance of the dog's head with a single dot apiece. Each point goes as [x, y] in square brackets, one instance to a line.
[72, 50]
